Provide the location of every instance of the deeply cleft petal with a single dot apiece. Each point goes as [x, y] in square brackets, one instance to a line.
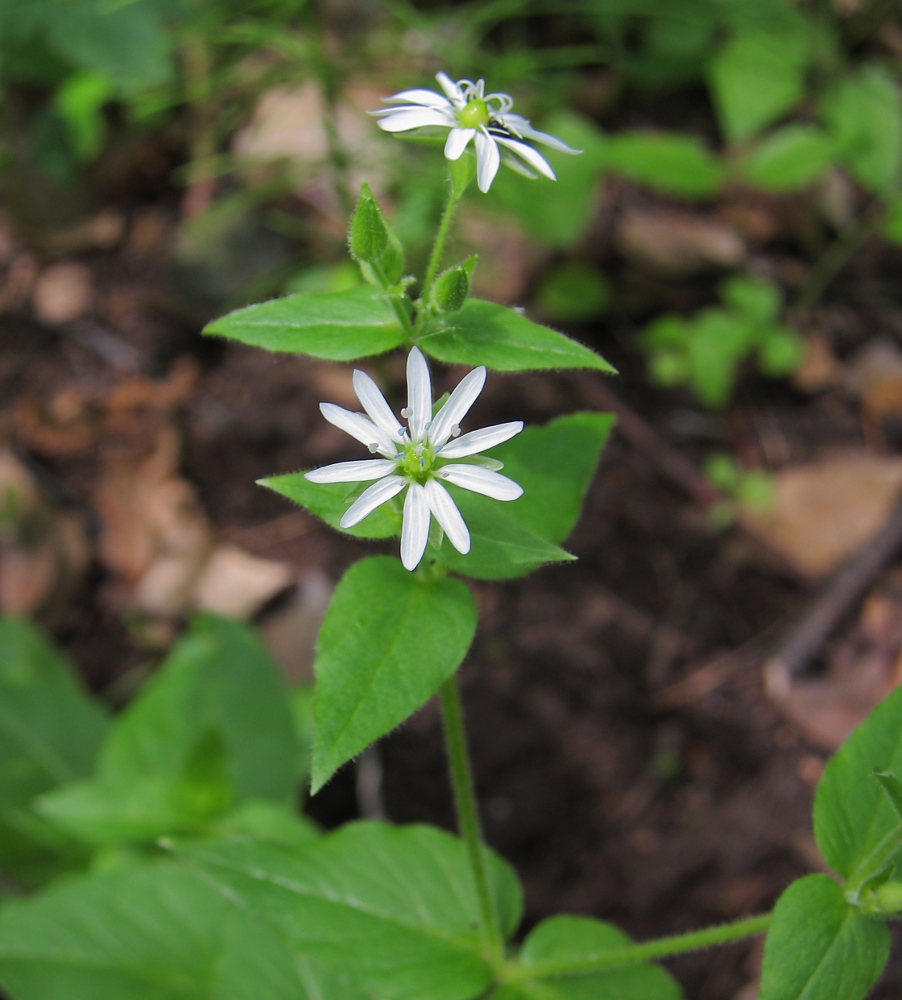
[419, 394]
[371, 498]
[447, 515]
[479, 480]
[457, 141]
[477, 441]
[415, 529]
[530, 155]
[372, 400]
[406, 118]
[427, 98]
[456, 407]
[488, 159]
[453, 91]
[359, 427]
[351, 472]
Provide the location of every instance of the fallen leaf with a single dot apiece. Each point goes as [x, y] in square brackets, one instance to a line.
[677, 243]
[874, 376]
[824, 512]
[62, 293]
[236, 584]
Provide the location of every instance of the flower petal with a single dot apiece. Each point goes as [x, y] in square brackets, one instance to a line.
[447, 515]
[488, 159]
[479, 480]
[520, 126]
[419, 394]
[456, 406]
[457, 141]
[410, 118]
[359, 427]
[372, 400]
[415, 530]
[351, 472]
[476, 441]
[427, 98]
[530, 155]
[371, 498]
[455, 94]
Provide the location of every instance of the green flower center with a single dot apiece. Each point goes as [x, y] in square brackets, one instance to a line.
[417, 461]
[474, 114]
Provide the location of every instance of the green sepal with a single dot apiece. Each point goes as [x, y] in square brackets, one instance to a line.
[374, 243]
[452, 287]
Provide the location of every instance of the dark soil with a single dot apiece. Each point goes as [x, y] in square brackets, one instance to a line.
[616, 787]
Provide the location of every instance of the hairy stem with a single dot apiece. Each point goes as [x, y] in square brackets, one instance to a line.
[643, 952]
[467, 813]
[435, 257]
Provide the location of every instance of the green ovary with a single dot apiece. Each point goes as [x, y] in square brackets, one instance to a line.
[417, 461]
[474, 114]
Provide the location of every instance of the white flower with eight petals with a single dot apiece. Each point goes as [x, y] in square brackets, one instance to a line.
[470, 113]
[419, 458]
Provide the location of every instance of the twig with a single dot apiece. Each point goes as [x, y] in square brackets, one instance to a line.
[836, 600]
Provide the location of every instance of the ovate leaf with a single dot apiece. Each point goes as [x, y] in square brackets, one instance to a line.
[156, 932]
[501, 548]
[484, 333]
[853, 817]
[758, 76]
[393, 908]
[337, 326]
[788, 159]
[669, 162]
[554, 464]
[387, 643]
[577, 943]
[819, 947]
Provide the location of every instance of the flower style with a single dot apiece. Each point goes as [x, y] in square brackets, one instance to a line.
[470, 113]
[419, 458]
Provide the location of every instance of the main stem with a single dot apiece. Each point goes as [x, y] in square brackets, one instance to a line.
[467, 813]
[646, 951]
[435, 258]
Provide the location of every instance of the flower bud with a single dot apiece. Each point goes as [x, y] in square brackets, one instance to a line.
[888, 898]
[373, 242]
[452, 287]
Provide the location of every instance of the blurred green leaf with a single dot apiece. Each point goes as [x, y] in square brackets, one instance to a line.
[573, 292]
[864, 114]
[669, 162]
[789, 158]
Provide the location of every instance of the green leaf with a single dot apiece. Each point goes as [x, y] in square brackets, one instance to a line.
[213, 726]
[337, 326]
[756, 299]
[554, 464]
[758, 76]
[864, 114]
[393, 908]
[373, 242]
[820, 948]
[573, 941]
[50, 734]
[892, 224]
[329, 501]
[387, 643]
[717, 343]
[157, 932]
[573, 293]
[853, 817]
[669, 162]
[484, 333]
[258, 819]
[789, 159]
[501, 548]
[892, 788]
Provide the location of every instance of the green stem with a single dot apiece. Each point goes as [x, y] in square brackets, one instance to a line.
[644, 952]
[395, 301]
[467, 814]
[436, 256]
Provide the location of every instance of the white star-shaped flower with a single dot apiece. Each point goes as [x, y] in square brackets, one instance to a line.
[470, 113]
[419, 458]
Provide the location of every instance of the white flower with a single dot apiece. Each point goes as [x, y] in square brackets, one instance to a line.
[469, 113]
[419, 458]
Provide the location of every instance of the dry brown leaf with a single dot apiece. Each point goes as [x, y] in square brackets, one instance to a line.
[824, 512]
[290, 631]
[63, 292]
[820, 369]
[236, 584]
[677, 243]
[875, 377]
